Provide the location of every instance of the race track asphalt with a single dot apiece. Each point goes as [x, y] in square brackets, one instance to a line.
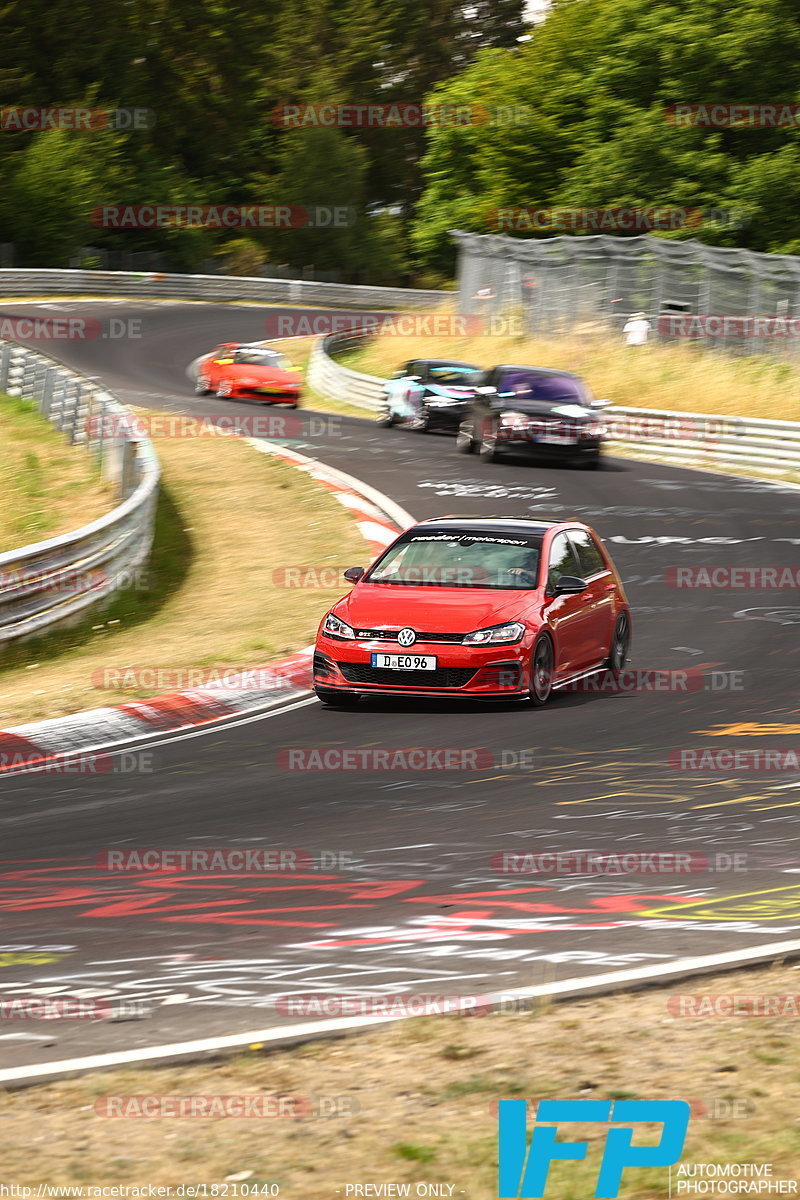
[413, 901]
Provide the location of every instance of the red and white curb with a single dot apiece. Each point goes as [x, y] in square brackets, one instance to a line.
[34, 745]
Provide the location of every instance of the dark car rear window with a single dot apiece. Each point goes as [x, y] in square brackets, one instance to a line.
[455, 376]
[555, 389]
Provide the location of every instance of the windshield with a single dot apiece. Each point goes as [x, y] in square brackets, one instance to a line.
[471, 560]
[262, 358]
[455, 376]
[554, 389]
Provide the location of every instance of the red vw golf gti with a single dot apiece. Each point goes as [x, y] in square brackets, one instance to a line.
[484, 608]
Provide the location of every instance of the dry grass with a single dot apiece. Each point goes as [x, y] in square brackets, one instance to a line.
[47, 487]
[675, 377]
[299, 352]
[419, 1101]
[229, 519]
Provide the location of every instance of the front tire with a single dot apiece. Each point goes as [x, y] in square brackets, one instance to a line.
[542, 670]
[464, 442]
[488, 449]
[421, 423]
[337, 699]
[386, 418]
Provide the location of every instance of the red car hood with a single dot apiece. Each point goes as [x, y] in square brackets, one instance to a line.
[430, 609]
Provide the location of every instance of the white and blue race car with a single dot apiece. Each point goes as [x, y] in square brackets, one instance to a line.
[431, 394]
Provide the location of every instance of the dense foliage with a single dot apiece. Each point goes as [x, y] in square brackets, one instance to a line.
[584, 96]
[599, 78]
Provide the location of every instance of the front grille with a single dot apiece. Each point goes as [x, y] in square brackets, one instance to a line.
[442, 677]
[390, 635]
[275, 392]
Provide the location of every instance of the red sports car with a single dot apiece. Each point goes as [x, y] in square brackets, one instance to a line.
[249, 372]
[484, 608]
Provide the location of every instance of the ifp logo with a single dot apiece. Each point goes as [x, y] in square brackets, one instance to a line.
[523, 1169]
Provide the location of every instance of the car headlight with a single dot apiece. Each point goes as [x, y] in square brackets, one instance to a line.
[514, 420]
[512, 632]
[336, 628]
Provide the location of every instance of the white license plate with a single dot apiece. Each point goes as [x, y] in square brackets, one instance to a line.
[557, 438]
[405, 662]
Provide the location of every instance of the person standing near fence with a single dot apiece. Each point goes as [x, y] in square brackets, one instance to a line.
[636, 329]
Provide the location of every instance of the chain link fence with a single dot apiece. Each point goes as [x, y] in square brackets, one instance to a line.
[736, 300]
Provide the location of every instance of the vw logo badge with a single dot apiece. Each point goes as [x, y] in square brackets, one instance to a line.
[406, 637]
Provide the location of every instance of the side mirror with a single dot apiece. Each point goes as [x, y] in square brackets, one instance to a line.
[600, 403]
[570, 585]
[353, 574]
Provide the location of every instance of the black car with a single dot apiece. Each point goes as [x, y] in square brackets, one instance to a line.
[430, 394]
[536, 411]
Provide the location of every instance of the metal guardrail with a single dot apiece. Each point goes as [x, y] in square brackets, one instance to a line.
[336, 382]
[680, 437]
[52, 581]
[155, 286]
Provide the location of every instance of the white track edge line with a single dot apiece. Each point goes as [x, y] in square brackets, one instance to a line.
[264, 1037]
[181, 733]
